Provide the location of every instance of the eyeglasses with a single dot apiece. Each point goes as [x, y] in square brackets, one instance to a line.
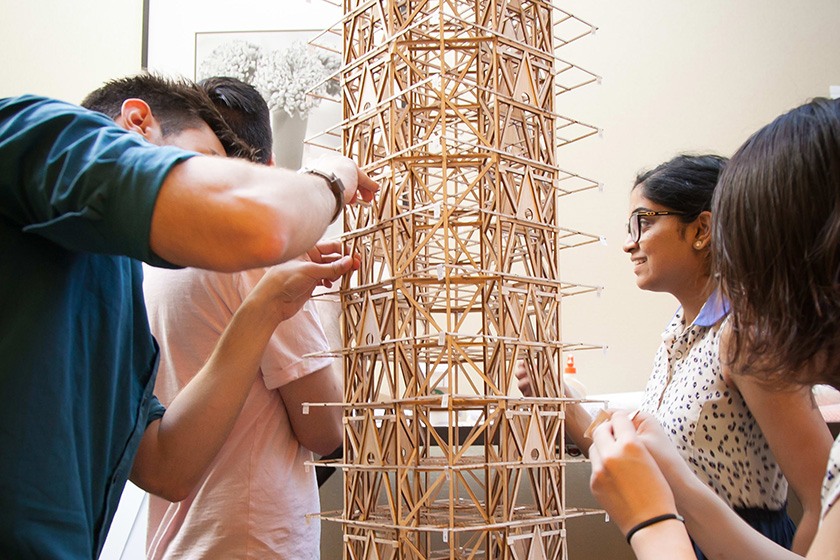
[634, 226]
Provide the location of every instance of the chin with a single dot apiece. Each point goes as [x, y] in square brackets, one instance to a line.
[643, 284]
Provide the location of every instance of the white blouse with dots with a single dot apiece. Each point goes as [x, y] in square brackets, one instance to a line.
[831, 483]
[708, 421]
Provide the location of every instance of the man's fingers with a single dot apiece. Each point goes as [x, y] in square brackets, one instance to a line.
[366, 187]
[339, 267]
[330, 246]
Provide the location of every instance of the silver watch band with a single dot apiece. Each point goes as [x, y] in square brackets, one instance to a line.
[335, 184]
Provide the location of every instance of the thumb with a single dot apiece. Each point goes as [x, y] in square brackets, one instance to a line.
[336, 269]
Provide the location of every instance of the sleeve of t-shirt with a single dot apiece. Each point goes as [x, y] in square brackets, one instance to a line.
[74, 177]
[297, 346]
[156, 410]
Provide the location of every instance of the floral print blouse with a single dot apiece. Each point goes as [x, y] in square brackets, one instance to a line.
[707, 420]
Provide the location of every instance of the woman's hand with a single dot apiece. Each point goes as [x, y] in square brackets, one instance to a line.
[625, 477]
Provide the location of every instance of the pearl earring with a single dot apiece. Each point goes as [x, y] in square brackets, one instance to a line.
[698, 244]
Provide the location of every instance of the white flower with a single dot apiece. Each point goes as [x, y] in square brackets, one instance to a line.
[284, 77]
[237, 59]
[331, 63]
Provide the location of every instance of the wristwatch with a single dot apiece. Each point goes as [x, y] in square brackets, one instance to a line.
[336, 186]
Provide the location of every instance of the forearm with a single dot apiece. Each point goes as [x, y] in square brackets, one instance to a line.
[806, 530]
[230, 215]
[717, 529]
[578, 420]
[176, 450]
[320, 430]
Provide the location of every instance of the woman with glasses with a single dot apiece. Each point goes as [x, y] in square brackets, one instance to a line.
[776, 237]
[735, 434]
[728, 430]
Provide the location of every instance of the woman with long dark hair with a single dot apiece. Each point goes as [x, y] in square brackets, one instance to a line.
[776, 241]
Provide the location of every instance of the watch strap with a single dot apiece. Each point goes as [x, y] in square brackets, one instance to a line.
[336, 186]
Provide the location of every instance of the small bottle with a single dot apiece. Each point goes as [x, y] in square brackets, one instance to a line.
[573, 387]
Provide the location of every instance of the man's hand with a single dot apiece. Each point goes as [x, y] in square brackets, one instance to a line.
[329, 251]
[357, 185]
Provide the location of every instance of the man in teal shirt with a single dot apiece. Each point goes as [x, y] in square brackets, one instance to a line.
[81, 203]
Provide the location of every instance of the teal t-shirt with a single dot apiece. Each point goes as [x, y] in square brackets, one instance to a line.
[77, 360]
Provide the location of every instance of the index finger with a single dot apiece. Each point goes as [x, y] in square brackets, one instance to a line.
[366, 187]
[595, 458]
[623, 426]
[330, 246]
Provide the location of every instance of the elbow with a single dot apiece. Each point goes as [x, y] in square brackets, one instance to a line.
[170, 490]
[175, 492]
[253, 247]
[324, 446]
[266, 244]
[325, 442]
[165, 483]
[331, 445]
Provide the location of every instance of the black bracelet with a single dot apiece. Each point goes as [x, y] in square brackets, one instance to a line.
[653, 521]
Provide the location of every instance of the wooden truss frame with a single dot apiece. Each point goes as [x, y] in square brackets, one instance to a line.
[450, 104]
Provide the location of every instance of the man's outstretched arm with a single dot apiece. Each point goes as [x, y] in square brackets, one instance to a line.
[223, 214]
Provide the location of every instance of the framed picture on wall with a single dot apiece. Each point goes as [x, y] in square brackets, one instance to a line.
[293, 63]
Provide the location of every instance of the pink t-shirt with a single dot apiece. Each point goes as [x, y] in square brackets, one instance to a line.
[254, 497]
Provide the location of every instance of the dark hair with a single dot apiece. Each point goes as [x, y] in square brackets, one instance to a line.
[245, 111]
[685, 183]
[177, 104]
[777, 245]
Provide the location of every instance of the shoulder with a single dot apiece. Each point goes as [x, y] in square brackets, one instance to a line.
[31, 110]
[42, 131]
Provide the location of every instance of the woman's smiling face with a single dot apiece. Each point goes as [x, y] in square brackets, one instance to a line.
[663, 258]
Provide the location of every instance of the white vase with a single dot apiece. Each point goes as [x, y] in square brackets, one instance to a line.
[288, 134]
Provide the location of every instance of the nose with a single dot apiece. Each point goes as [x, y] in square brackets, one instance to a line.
[629, 245]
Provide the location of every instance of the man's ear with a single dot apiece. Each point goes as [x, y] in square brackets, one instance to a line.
[136, 116]
[703, 235]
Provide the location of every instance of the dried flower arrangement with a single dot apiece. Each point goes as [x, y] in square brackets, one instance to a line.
[291, 79]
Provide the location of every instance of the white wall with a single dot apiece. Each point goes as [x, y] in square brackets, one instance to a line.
[677, 76]
[66, 49]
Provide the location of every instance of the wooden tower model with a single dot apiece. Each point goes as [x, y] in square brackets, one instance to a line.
[450, 105]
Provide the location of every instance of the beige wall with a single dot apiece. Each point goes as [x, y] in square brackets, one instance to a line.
[66, 49]
[677, 76]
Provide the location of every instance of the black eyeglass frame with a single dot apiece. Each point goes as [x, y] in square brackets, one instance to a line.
[636, 217]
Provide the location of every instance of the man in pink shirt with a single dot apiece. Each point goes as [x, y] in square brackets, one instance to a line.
[253, 500]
